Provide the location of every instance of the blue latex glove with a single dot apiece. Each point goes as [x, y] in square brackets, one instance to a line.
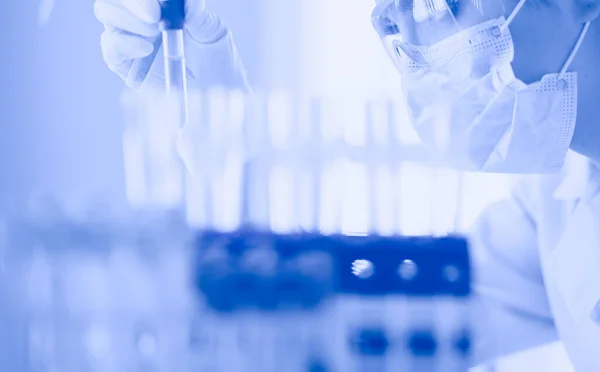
[131, 43]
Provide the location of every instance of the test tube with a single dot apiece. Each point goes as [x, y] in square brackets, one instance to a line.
[171, 25]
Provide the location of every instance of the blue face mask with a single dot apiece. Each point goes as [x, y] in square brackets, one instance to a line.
[464, 99]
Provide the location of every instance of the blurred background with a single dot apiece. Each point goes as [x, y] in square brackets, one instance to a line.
[62, 121]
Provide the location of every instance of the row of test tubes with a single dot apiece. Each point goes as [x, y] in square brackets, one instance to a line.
[288, 162]
[95, 292]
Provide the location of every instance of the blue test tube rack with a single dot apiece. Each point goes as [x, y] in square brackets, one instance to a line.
[315, 275]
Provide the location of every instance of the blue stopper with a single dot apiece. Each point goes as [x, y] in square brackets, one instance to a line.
[422, 344]
[172, 14]
[463, 343]
[371, 342]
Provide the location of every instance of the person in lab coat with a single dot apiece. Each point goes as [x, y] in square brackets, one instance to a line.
[514, 87]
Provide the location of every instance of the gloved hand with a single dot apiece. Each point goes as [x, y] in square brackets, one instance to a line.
[131, 42]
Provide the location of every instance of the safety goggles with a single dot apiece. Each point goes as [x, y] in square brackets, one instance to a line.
[426, 22]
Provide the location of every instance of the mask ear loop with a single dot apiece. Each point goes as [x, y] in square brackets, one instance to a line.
[560, 80]
[512, 15]
[563, 71]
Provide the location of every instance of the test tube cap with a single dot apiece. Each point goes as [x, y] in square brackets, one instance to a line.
[172, 15]
[422, 343]
[370, 342]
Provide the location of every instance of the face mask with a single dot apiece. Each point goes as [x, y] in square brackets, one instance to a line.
[466, 103]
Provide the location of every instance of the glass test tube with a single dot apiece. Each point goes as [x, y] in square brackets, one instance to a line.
[172, 20]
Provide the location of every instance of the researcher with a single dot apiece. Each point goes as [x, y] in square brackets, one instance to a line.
[507, 86]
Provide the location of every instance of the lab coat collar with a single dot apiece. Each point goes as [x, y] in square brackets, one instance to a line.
[576, 259]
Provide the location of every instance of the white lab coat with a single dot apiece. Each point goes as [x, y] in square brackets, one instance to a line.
[536, 255]
[537, 262]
